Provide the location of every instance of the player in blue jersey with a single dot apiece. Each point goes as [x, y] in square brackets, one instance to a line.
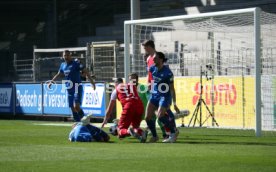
[162, 93]
[150, 51]
[70, 69]
[85, 132]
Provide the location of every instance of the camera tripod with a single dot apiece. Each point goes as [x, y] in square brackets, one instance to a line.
[199, 107]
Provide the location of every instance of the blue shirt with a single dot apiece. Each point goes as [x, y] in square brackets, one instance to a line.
[80, 133]
[71, 71]
[162, 80]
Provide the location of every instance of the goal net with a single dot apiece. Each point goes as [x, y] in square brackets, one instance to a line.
[239, 45]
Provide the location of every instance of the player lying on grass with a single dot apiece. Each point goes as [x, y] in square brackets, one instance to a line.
[85, 132]
[132, 110]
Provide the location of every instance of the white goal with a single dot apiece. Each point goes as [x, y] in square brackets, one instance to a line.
[239, 45]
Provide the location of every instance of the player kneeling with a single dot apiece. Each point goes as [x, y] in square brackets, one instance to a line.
[85, 132]
[132, 110]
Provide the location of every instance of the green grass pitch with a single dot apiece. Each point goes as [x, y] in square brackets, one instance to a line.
[25, 146]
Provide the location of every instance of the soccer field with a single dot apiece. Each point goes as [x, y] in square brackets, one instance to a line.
[29, 146]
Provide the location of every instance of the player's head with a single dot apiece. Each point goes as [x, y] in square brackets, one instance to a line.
[159, 58]
[134, 78]
[149, 46]
[67, 56]
[118, 81]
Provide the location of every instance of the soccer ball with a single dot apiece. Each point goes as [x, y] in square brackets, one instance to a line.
[113, 130]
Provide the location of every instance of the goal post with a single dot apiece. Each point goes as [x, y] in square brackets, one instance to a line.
[233, 42]
[257, 47]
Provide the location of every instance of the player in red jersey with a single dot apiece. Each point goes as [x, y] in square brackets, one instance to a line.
[150, 51]
[132, 110]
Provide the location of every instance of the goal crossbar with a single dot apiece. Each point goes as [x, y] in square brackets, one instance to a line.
[257, 43]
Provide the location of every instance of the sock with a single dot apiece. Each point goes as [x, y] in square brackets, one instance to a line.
[161, 125]
[76, 116]
[81, 113]
[123, 133]
[151, 125]
[172, 119]
[166, 122]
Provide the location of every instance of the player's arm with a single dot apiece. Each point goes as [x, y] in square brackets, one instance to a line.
[150, 70]
[110, 107]
[59, 74]
[173, 95]
[86, 72]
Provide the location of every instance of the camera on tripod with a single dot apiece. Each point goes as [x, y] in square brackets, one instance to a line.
[198, 110]
[209, 68]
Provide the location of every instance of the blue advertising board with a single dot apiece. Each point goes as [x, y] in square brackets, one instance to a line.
[28, 98]
[38, 99]
[55, 100]
[93, 101]
[6, 98]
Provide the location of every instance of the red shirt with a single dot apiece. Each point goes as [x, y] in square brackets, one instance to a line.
[127, 93]
[150, 62]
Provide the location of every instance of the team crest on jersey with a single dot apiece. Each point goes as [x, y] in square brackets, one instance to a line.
[66, 72]
[156, 79]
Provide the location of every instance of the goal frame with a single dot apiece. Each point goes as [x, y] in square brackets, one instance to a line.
[257, 48]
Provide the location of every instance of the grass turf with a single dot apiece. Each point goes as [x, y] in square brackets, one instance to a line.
[28, 147]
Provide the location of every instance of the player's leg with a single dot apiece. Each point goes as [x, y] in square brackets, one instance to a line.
[73, 110]
[124, 122]
[162, 127]
[137, 113]
[171, 117]
[78, 109]
[165, 118]
[77, 101]
[164, 104]
[150, 112]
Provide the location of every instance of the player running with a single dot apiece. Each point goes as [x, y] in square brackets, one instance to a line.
[132, 110]
[70, 69]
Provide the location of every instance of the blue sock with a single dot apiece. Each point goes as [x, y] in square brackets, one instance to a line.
[76, 116]
[151, 125]
[81, 113]
[166, 122]
[172, 119]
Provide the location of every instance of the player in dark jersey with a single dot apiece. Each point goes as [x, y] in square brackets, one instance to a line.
[84, 131]
[162, 93]
[70, 69]
[150, 51]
